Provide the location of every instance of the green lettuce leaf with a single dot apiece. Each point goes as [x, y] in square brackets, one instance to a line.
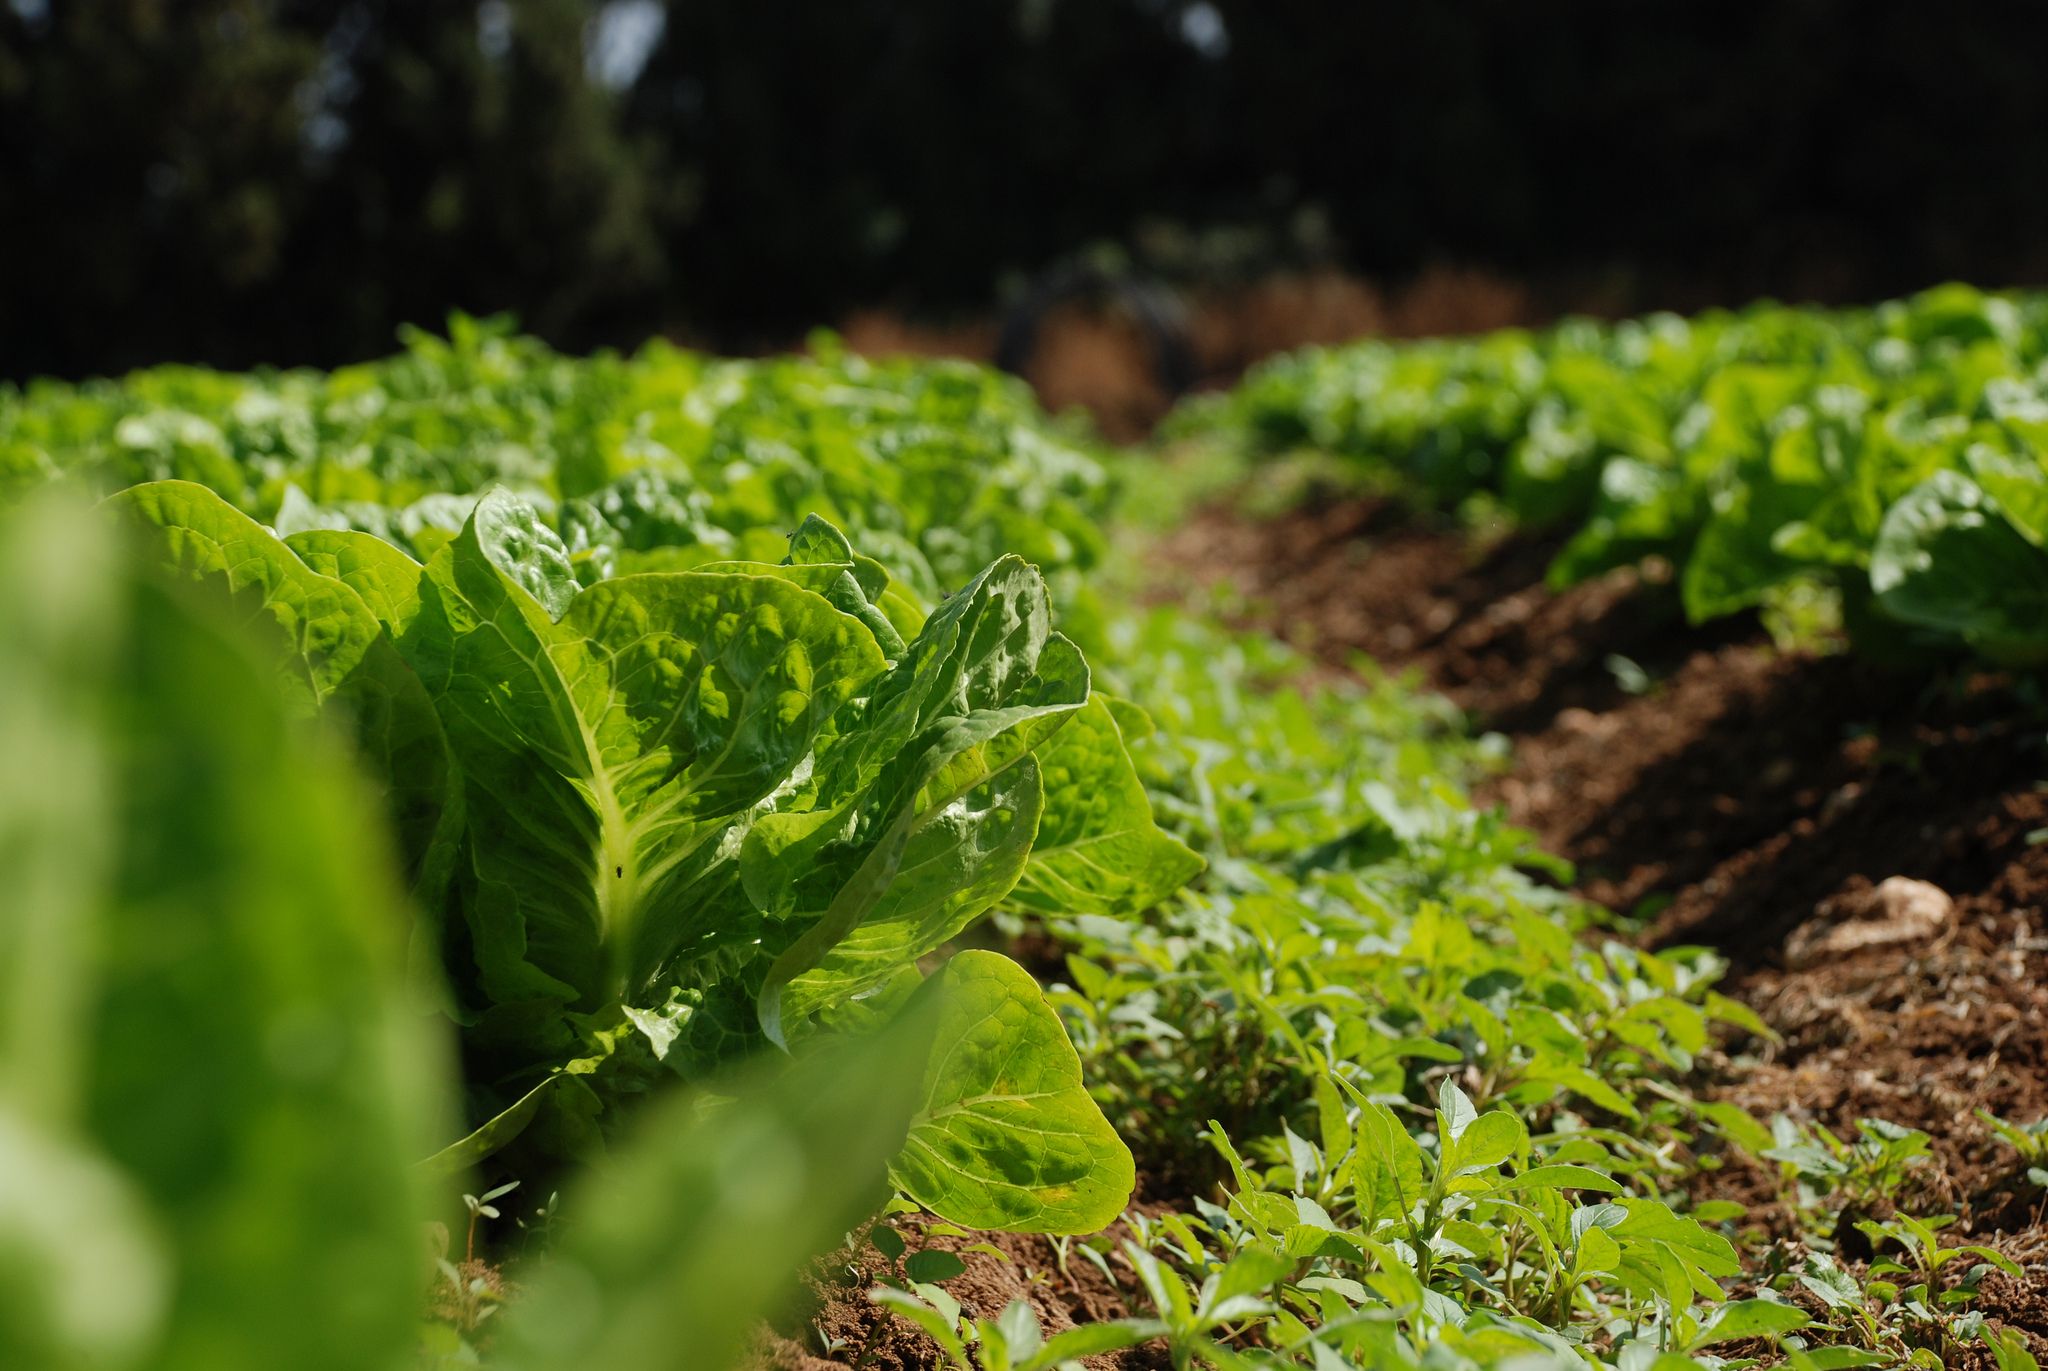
[609, 738]
[928, 804]
[1006, 1136]
[2019, 484]
[320, 626]
[329, 604]
[397, 732]
[1098, 849]
[1947, 558]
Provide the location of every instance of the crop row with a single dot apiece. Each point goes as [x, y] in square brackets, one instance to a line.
[1890, 457]
[485, 763]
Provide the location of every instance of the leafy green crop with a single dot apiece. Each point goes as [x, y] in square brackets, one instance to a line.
[934, 469]
[677, 770]
[1007, 1081]
[214, 1092]
[662, 820]
[692, 772]
[1896, 455]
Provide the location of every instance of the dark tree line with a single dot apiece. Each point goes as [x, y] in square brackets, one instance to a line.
[247, 181]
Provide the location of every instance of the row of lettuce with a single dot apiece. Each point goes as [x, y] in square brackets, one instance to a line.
[1892, 456]
[657, 462]
[700, 703]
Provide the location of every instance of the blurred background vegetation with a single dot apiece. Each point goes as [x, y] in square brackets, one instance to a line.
[284, 181]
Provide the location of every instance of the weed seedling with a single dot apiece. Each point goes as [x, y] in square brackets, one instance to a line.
[1854, 1176]
[474, 1300]
[1192, 1322]
[2031, 1142]
[544, 1221]
[480, 1208]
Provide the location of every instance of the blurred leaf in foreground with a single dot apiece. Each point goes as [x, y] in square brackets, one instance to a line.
[716, 1203]
[82, 1272]
[211, 993]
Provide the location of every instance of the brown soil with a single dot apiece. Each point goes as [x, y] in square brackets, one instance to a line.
[835, 1304]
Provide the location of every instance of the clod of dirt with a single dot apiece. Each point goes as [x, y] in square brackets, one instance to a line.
[1062, 1289]
[1897, 909]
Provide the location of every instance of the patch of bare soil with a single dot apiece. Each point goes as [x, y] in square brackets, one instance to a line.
[834, 1308]
[1363, 576]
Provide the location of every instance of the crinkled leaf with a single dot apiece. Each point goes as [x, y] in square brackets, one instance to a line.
[912, 895]
[1946, 557]
[331, 650]
[921, 780]
[320, 627]
[979, 653]
[605, 754]
[1006, 1136]
[387, 580]
[1098, 849]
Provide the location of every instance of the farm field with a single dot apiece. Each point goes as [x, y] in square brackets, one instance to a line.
[1509, 851]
